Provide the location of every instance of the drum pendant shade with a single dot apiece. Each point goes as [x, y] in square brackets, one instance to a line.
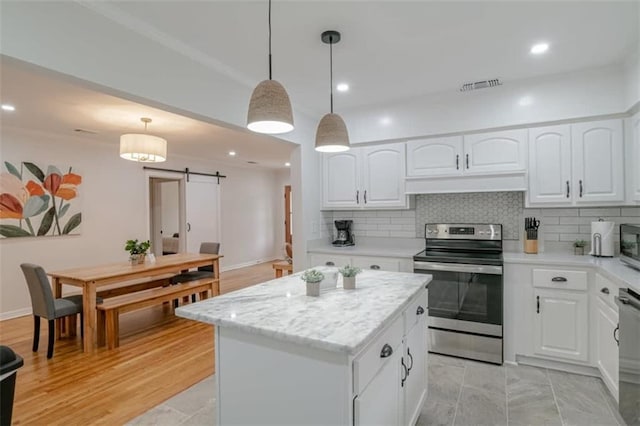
[143, 148]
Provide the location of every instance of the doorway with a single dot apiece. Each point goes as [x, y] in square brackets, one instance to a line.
[165, 217]
[288, 221]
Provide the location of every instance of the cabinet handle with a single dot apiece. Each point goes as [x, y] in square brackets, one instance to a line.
[467, 160]
[605, 290]
[357, 196]
[365, 196]
[559, 279]
[188, 227]
[580, 188]
[386, 351]
[568, 189]
[374, 267]
[405, 373]
[330, 263]
[410, 359]
[457, 161]
[617, 339]
[537, 304]
[420, 310]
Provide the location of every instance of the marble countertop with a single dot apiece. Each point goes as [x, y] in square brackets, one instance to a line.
[384, 247]
[610, 267]
[339, 320]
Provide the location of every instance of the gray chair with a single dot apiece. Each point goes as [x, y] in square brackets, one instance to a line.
[202, 272]
[46, 306]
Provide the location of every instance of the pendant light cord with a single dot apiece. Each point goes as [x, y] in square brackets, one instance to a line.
[330, 68]
[270, 40]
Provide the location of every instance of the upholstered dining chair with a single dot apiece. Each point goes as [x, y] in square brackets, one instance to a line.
[46, 306]
[202, 272]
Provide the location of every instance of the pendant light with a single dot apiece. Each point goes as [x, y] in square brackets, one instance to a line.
[270, 108]
[332, 135]
[143, 147]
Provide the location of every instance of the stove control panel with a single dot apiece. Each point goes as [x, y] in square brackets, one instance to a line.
[463, 231]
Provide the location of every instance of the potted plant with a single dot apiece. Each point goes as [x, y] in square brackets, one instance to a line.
[349, 276]
[578, 247]
[313, 279]
[137, 250]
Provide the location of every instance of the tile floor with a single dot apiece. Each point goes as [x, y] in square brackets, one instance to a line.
[460, 393]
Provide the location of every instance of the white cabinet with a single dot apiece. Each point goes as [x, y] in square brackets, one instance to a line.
[598, 165]
[577, 164]
[550, 164]
[606, 325]
[496, 151]
[632, 138]
[415, 383]
[364, 262]
[561, 324]
[368, 177]
[435, 157]
[376, 263]
[321, 259]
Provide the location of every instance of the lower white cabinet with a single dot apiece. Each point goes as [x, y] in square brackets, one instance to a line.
[364, 262]
[561, 324]
[606, 326]
[415, 384]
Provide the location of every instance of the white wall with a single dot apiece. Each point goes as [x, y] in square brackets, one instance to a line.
[114, 209]
[632, 80]
[170, 207]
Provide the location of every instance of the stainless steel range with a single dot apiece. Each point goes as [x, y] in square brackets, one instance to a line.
[465, 295]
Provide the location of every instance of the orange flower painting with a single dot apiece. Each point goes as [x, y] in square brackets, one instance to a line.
[33, 203]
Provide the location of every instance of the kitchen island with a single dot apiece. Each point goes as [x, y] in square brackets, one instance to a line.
[346, 357]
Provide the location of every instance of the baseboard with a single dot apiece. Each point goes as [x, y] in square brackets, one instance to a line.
[245, 264]
[15, 314]
[585, 370]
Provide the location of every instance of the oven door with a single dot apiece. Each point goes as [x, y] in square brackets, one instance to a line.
[464, 297]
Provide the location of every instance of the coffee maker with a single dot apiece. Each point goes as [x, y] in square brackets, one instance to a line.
[345, 237]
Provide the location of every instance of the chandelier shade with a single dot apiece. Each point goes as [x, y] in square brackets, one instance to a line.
[332, 134]
[143, 148]
[270, 109]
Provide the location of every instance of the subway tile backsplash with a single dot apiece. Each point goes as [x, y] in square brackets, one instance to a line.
[559, 226]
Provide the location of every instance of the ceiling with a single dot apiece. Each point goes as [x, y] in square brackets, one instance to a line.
[47, 102]
[390, 50]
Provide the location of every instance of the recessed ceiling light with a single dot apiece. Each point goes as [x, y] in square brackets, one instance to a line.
[385, 121]
[8, 107]
[232, 153]
[525, 101]
[342, 87]
[287, 164]
[539, 48]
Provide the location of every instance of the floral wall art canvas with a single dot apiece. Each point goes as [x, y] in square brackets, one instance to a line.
[39, 201]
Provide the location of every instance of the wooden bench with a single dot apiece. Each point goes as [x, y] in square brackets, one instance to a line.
[135, 286]
[280, 267]
[110, 309]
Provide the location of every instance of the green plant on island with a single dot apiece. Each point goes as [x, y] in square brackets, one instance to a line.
[579, 243]
[349, 271]
[135, 247]
[312, 276]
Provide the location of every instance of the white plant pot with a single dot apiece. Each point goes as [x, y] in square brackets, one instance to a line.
[313, 289]
[349, 283]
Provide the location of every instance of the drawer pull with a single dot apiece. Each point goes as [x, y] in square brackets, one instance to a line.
[605, 290]
[386, 351]
[405, 372]
[616, 338]
[559, 279]
[410, 359]
[375, 267]
[330, 263]
[420, 310]
[537, 304]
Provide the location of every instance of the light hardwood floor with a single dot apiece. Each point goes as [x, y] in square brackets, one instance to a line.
[159, 356]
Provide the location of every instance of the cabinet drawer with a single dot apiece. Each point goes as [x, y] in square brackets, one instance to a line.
[607, 290]
[413, 313]
[561, 279]
[377, 263]
[328, 260]
[371, 360]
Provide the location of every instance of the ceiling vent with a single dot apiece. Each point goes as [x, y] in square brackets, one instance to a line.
[480, 85]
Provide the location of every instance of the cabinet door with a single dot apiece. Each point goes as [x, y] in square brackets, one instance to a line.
[496, 152]
[560, 324]
[550, 165]
[328, 260]
[606, 346]
[415, 386]
[383, 176]
[340, 179]
[634, 169]
[598, 162]
[435, 157]
[377, 263]
[379, 402]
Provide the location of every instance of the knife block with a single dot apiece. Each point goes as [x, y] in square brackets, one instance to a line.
[530, 246]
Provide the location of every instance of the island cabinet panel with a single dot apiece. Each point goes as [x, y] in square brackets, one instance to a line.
[415, 385]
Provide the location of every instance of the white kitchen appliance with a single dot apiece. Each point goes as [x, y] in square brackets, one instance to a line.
[602, 241]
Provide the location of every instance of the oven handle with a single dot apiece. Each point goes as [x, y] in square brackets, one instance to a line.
[457, 267]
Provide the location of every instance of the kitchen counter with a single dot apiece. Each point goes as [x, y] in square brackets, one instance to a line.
[383, 247]
[339, 320]
[611, 268]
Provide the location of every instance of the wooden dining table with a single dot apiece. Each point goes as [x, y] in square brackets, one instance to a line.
[90, 279]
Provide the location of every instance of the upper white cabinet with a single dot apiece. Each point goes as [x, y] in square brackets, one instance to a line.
[503, 151]
[368, 177]
[484, 153]
[578, 164]
[598, 165]
[550, 164]
[435, 157]
[632, 137]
